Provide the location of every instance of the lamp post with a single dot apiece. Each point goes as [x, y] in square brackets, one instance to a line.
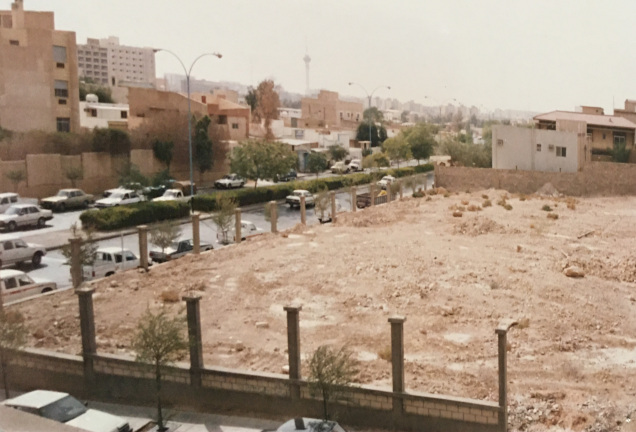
[187, 74]
[370, 96]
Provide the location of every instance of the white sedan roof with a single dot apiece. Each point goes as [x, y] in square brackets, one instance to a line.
[36, 399]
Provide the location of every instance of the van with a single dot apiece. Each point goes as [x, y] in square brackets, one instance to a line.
[7, 199]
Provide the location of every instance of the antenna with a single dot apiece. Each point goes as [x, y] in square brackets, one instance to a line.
[307, 60]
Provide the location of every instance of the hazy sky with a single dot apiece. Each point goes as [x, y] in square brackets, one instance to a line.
[537, 55]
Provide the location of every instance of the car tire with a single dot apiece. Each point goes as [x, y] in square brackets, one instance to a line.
[41, 223]
[37, 259]
[11, 226]
[45, 290]
[109, 274]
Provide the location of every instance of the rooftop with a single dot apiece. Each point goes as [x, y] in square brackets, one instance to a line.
[590, 119]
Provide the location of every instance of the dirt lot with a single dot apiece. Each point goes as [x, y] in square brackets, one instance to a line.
[571, 361]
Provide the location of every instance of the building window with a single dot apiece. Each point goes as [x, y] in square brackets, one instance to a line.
[61, 88]
[63, 124]
[59, 54]
[619, 138]
[222, 119]
[560, 151]
[60, 65]
[538, 147]
[603, 135]
[235, 125]
[499, 142]
[124, 114]
[14, 42]
[61, 101]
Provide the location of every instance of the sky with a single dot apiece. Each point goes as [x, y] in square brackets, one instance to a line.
[533, 55]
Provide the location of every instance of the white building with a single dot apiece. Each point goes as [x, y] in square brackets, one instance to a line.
[109, 63]
[94, 114]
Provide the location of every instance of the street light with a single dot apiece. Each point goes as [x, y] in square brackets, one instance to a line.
[370, 96]
[187, 73]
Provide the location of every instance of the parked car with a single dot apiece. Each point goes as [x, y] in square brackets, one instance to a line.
[67, 199]
[172, 195]
[386, 181]
[248, 229]
[110, 260]
[19, 215]
[310, 425]
[229, 181]
[16, 285]
[64, 408]
[17, 251]
[294, 199]
[7, 199]
[119, 197]
[339, 168]
[355, 165]
[177, 250]
[290, 176]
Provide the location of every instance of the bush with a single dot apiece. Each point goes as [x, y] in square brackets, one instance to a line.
[133, 215]
[546, 208]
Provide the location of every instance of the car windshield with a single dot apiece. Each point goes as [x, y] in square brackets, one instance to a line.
[298, 193]
[63, 410]
[62, 194]
[12, 211]
[227, 176]
[117, 195]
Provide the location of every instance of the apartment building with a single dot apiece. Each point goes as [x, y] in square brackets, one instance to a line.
[327, 110]
[107, 62]
[38, 73]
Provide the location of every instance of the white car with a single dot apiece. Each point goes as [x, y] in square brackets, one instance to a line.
[19, 215]
[340, 168]
[248, 229]
[386, 181]
[172, 195]
[17, 251]
[119, 197]
[64, 408]
[229, 181]
[355, 165]
[16, 285]
[310, 425]
[294, 199]
[110, 260]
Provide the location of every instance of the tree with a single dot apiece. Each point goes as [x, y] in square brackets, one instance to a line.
[131, 175]
[251, 99]
[373, 114]
[159, 341]
[421, 140]
[113, 141]
[16, 177]
[330, 372]
[163, 151]
[376, 160]
[203, 145]
[378, 134]
[317, 163]
[267, 106]
[88, 246]
[620, 152]
[322, 203]
[404, 117]
[13, 335]
[338, 152]
[73, 174]
[254, 159]
[164, 234]
[224, 216]
[87, 85]
[397, 149]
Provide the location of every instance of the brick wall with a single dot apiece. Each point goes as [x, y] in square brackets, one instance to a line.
[594, 179]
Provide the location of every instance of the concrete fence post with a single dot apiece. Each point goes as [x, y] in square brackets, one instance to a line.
[238, 234]
[401, 190]
[143, 246]
[87, 329]
[273, 215]
[334, 210]
[502, 336]
[397, 362]
[195, 338]
[389, 192]
[76, 262]
[293, 349]
[303, 210]
[196, 236]
[372, 194]
[354, 199]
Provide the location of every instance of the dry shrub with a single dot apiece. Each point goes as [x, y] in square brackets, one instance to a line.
[457, 213]
[507, 207]
[546, 208]
[432, 192]
[446, 195]
[484, 196]
[522, 198]
[473, 208]
[553, 216]
[571, 203]
[385, 353]
[464, 202]
[486, 203]
[429, 199]
[531, 226]
[524, 323]
[501, 202]
[461, 208]
[170, 295]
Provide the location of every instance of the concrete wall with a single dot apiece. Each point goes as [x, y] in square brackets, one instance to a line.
[594, 179]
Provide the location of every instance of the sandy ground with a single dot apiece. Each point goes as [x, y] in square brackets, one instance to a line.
[571, 361]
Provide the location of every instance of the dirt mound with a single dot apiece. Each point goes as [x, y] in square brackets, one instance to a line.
[548, 190]
[371, 217]
[479, 225]
[623, 269]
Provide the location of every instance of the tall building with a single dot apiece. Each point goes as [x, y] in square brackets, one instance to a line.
[38, 73]
[107, 62]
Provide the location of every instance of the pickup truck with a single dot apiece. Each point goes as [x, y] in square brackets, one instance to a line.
[108, 261]
[24, 215]
[386, 181]
[248, 229]
[294, 199]
[16, 285]
[119, 197]
[340, 168]
[229, 181]
[355, 165]
[364, 199]
[173, 195]
[66, 199]
[177, 250]
[17, 251]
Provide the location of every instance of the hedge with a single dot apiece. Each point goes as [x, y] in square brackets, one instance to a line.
[133, 215]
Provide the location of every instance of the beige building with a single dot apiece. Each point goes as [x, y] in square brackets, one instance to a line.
[95, 114]
[38, 73]
[328, 111]
[107, 62]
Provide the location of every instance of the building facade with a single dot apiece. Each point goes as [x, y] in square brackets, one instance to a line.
[107, 62]
[328, 111]
[39, 86]
[95, 114]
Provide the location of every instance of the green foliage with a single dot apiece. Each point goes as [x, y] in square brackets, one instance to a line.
[254, 159]
[13, 336]
[88, 247]
[130, 174]
[331, 371]
[133, 215]
[378, 134]
[376, 160]
[251, 98]
[224, 215]
[421, 140]
[16, 177]
[620, 152]
[87, 86]
[162, 178]
[164, 234]
[163, 151]
[113, 141]
[159, 341]
[317, 162]
[337, 152]
[468, 154]
[5, 133]
[73, 174]
[366, 152]
[397, 149]
[203, 145]
[372, 114]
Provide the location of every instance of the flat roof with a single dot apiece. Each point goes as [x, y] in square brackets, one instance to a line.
[591, 119]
